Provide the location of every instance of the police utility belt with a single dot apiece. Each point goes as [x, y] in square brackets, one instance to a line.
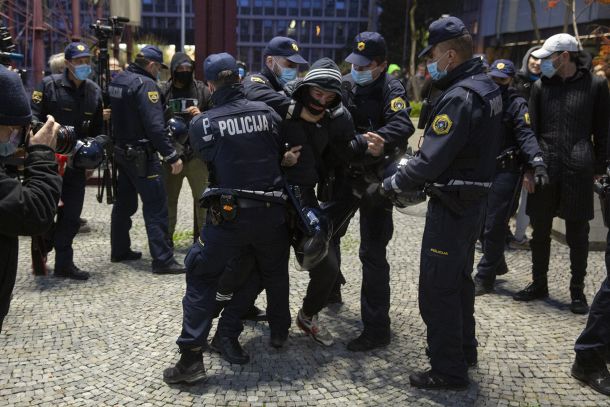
[138, 154]
[508, 160]
[223, 204]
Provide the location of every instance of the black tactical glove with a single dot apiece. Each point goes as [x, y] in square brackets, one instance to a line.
[541, 177]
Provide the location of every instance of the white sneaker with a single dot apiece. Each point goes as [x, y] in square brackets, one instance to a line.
[316, 332]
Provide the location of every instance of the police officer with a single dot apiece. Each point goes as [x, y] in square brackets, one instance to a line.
[73, 100]
[139, 134]
[379, 107]
[282, 61]
[239, 140]
[185, 97]
[519, 146]
[458, 160]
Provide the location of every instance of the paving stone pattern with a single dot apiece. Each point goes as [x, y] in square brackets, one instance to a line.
[106, 341]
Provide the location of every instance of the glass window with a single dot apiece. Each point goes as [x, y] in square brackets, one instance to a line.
[293, 10]
[329, 10]
[160, 5]
[147, 5]
[353, 8]
[161, 22]
[257, 60]
[244, 30]
[316, 34]
[268, 30]
[257, 10]
[340, 33]
[257, 31]
[305, 32]
[282, 7]
[174, 6]
[306, 7]
[317, 7]
[283, 28]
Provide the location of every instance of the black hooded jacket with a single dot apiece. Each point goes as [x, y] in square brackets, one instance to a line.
[196, 89]
[524, 79]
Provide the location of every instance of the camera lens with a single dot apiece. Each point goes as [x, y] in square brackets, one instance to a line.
[66, 139]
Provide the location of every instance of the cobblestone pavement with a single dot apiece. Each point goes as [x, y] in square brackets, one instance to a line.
[106, 341]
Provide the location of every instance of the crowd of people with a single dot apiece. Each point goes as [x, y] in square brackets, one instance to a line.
[276, 161]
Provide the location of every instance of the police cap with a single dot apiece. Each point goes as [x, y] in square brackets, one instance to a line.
[367, 45]
[154, 54]
[284, 47]
[444, 29]
[502, 68]
[216, 63]
[76, 50]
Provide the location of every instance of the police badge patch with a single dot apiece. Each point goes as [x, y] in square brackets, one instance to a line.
[37, 96]
[295, 47]
[153, 96]
[398, 104]
[526, 117]
[256, 79]
[361, 46]
[442, 124]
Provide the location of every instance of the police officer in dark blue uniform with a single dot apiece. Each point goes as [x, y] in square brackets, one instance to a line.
[282, 61]
[519, 145]
[73, 100]
[379, 107]
[138, 127]
[239, 140]
[457, 161]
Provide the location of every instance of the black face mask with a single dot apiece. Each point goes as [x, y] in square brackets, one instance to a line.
[312, 104]
[185, 77]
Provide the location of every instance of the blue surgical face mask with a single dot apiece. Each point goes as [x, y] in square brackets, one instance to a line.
[82, 72]
[435, 73]
[9, 147]
[547, 68]
[362, 78]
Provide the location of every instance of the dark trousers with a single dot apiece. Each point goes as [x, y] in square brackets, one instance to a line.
[577, 238]
[68, 215]
[596, 335]
[500, 202]
[446, 290]
[263, 233]
[154, 208]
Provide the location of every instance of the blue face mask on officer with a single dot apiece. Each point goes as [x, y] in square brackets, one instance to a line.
[362, 78]
[435, 73]
[286, 74]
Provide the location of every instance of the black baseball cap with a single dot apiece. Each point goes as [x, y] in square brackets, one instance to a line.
[443, 29]
[284, 47]
[154, 54]
[216, 63]
[367, 45]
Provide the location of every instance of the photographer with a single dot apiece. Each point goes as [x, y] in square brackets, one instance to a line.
[28, 208]
[75, 101]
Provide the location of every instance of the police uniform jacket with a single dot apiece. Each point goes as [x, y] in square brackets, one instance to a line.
[570, 119]
[240, 142]
[58, 96]
[516, 130]
[264, 87]
[381, 107]
[137, 112]
[462, 134]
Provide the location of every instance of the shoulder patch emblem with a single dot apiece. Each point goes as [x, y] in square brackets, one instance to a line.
[37, 96]
[153, 96]
[398, 104]
[527, 119]
[442, 124]
[256, 79]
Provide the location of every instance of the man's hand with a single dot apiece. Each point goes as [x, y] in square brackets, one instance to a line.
[528, 182]
[106, 114]
[541, 177]
[309, 117]
[291, 157]
[47, 135]
[375, 144]
[193, 110]
[176, 167]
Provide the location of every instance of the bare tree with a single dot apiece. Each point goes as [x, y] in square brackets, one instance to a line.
[413, 37]
[534, 18]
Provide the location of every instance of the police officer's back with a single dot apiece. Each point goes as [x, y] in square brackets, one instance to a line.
[457, 161]
[139, 133]
[73, 100]
[239, 141]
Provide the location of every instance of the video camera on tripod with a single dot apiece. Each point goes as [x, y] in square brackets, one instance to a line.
[104, 30]
[7, 50]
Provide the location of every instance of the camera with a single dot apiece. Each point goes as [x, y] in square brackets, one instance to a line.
[66, 137]
[109, 27]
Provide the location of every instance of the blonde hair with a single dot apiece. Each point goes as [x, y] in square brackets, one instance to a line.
[57, 63]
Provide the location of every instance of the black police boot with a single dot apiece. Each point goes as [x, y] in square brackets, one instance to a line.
[229, 349]
[482, 286]
[189, 368]
[173, 267]
[591, 368]
[127, 256]
[254, 314]
[364, 343]
[536, 290]
[579, 303]
[72, 272]
[278, 339]
[431, 380]
[502, 268]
